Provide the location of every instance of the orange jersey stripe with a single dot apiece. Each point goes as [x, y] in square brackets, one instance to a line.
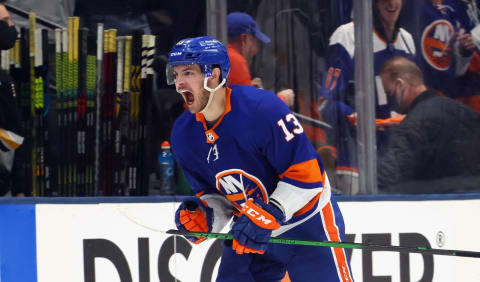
[308, 172]
[333, 235]
[308, 206]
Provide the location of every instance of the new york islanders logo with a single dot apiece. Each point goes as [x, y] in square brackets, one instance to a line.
[238, 185]
[437, 44]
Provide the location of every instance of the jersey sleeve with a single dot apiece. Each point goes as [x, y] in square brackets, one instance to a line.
[339, 67]
[282, 141]
[339, 72]
[336, 88]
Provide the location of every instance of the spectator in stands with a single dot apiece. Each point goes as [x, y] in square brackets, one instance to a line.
[11, 151]
[337, 103]
[442, 33]
[468, 85]
[435, 148]
[243, 36]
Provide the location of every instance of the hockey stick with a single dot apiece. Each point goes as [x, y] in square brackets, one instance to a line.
[99, 88]
[311, 121]
[25, 14]
[345, 245]
[117, 183]
[81, 113]
[31, 41]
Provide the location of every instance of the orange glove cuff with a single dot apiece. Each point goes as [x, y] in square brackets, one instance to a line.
[242, 249]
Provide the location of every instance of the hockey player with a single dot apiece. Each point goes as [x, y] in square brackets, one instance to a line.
[245, 155]
[338, 106]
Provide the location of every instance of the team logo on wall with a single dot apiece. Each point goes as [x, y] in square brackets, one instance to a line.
[238, 185]
[437, 44]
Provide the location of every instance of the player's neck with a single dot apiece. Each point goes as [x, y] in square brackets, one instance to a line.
[217, 106]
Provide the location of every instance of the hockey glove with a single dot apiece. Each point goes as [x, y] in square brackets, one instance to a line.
[252, 230]
[194, 215]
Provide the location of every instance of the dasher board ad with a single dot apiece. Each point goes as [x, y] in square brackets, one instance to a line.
[126, 242]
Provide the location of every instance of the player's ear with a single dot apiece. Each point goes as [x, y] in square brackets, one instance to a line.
[215, 74]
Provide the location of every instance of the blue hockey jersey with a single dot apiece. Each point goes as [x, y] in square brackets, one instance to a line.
[439, 23]
[257, 148]
[337, 89]
[341, 65]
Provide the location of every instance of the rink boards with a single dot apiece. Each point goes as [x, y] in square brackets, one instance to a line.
[121, 239]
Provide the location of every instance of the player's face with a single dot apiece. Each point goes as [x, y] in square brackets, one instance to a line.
[189, 83]
[389, 10]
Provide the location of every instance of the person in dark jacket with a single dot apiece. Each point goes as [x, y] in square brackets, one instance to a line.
[11, 151]
[435, 148]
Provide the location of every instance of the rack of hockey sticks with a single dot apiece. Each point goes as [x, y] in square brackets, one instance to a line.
[86, 134]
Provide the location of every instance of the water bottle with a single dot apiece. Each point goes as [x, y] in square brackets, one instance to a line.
[167, 168]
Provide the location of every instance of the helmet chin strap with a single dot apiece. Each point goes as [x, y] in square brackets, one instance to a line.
[212, 92]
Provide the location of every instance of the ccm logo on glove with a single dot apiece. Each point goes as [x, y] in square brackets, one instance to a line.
[259, 216]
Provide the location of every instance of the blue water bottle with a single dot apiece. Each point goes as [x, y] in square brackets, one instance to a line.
[167, 169]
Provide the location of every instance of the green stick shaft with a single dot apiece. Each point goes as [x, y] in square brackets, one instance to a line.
[345, 245]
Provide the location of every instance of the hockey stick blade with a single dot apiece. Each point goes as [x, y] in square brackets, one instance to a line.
[345, 245]
[312, 122]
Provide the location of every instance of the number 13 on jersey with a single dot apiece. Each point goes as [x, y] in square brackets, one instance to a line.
[290, 118]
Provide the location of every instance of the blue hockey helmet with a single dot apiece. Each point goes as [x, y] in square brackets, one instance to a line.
[205, 51]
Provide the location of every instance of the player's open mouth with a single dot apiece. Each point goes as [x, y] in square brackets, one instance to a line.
[188, 97]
